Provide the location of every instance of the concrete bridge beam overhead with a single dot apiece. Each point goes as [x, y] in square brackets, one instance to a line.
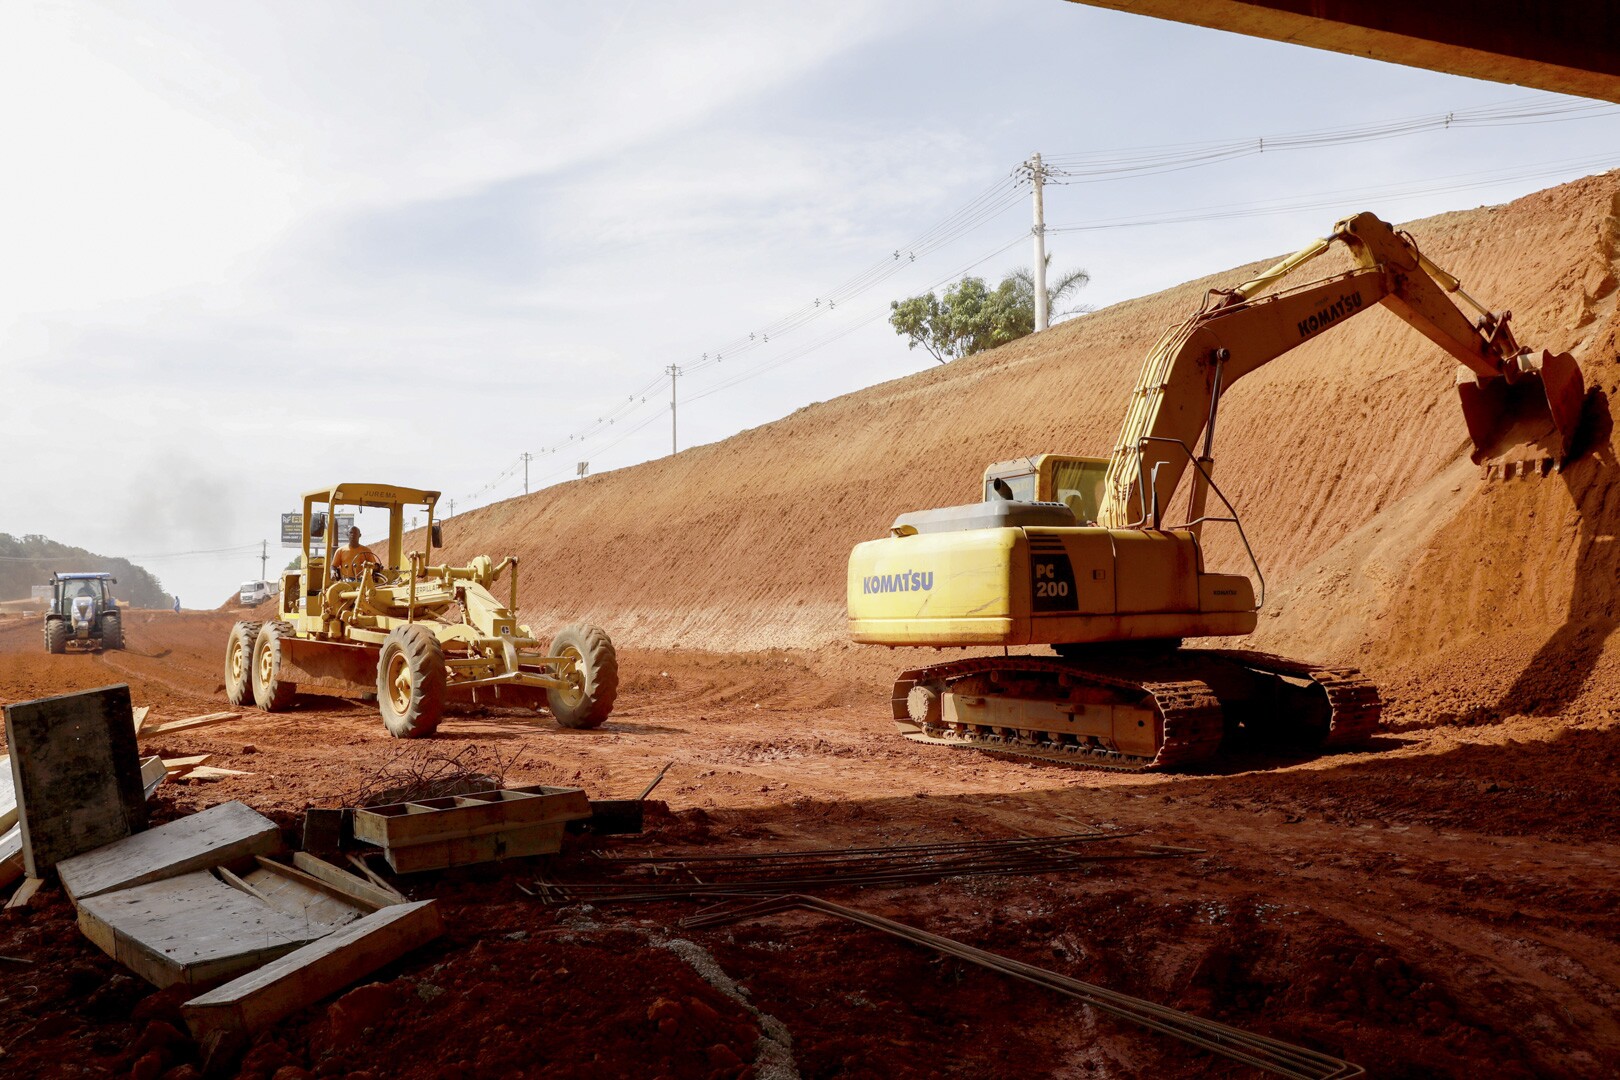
[1566, 46]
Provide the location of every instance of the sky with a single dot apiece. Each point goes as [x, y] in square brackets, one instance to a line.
[252, 249]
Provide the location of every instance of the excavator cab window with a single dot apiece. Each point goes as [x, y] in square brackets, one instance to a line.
[1079, 486]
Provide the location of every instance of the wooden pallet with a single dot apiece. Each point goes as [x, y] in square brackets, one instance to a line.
[205, 926]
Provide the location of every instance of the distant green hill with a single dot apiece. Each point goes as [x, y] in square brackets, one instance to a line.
[30, 560]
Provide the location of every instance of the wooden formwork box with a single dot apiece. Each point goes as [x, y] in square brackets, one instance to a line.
[481, 826]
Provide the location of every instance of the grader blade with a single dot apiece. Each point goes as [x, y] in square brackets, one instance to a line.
[1520, 423]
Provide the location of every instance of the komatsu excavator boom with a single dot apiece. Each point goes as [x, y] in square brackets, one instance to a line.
[1075, 553]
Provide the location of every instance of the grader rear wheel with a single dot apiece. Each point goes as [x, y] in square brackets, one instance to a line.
[411, 682]
[593, 680]
[239, 663]
[271, 692]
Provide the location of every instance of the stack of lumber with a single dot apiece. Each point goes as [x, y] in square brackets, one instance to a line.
[483, 826]
[196, 901]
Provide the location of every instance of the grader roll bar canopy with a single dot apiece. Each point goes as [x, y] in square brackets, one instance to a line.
[419, 633]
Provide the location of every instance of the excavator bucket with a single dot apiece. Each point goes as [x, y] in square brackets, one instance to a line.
[1520, 424]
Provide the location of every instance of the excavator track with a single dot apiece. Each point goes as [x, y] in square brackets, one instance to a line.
[1189, 712]
[1194, 695]
[1356, 707]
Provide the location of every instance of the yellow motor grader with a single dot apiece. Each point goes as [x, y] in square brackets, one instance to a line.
[420, 634]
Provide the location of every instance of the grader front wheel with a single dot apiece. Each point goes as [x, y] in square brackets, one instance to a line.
[593, 679]
[271, 692]
[239, 663]
[410, 682]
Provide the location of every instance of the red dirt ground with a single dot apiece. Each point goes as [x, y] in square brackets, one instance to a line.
[1439, 904]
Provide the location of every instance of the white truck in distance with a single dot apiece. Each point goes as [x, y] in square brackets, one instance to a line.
[256, 592]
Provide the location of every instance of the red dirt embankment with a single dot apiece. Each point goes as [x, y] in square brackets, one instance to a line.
[1349, 451]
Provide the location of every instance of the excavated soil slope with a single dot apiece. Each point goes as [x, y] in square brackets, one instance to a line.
[1438, 904]
[742, 544]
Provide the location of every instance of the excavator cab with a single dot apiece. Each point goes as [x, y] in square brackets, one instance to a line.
[1076, 482]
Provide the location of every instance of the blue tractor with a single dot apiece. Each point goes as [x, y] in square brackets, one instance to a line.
[83, 613]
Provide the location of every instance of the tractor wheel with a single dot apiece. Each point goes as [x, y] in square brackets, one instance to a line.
[239, 663]
[112, 632]
[594, 681]
[56, 636]
[271, 692]
[410, 682]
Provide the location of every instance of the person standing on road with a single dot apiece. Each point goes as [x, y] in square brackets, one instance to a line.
[177, 605]
[350, 562]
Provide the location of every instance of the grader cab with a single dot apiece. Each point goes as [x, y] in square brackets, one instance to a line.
[420, 634]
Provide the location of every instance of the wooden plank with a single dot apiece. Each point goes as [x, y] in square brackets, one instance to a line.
[335, 877]
[140, 717]
[11, 860]
[458, 816]
[192, 722]
[8, 794]
[318, 970]
[293, 896]
[192, 929]
[179, 766]
[218, 835]
[491, 847]
[25, 892]
[152, 774]
[78, 774]
[211, 772]
[359, 863]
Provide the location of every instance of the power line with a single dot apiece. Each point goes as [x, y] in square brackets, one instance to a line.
[1442, 185]
[1104, 165]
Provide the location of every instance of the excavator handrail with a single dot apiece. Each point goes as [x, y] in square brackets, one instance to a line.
[1260, 601]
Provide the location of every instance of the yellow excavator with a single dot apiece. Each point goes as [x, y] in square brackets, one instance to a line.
[1077, 553]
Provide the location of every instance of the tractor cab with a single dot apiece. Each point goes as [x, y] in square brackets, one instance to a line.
[82, 612]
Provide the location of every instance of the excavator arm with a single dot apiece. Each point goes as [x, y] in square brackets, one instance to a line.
[1508, 396]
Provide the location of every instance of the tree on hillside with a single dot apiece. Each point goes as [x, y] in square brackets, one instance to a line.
[970, 317]
[29, 560]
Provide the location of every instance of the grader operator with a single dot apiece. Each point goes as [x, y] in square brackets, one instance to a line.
[1077, 553]
[419, 634]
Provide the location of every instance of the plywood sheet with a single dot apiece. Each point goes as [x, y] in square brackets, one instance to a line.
[291, 895]
[215, 836]
[281, 987]
[192, 929]
[77, 773]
